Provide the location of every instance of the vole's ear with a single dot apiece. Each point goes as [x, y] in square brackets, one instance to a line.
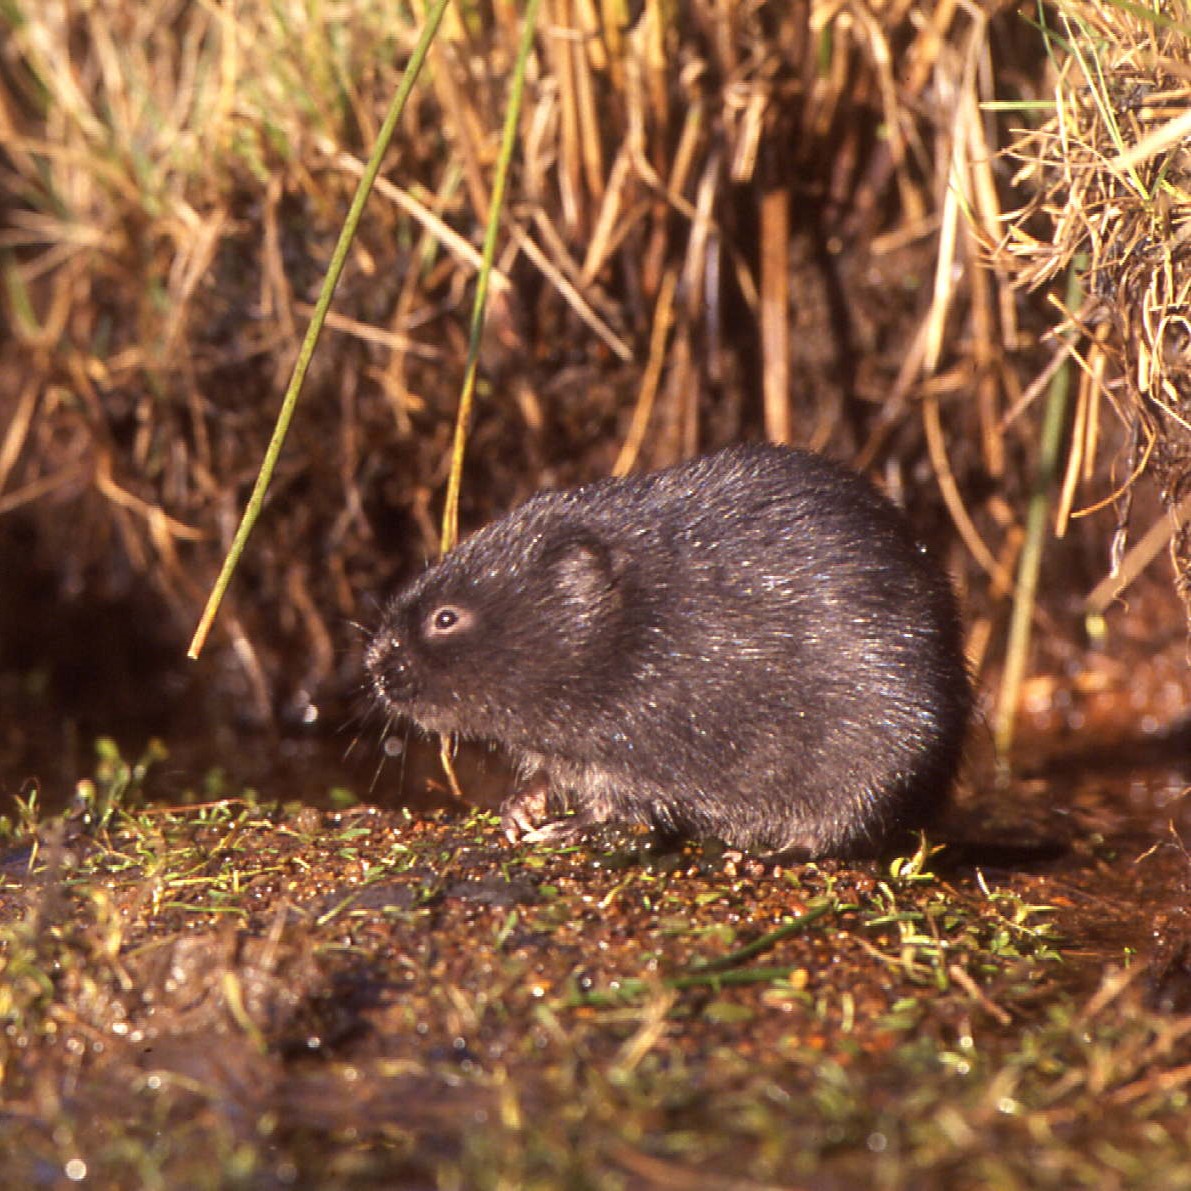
[583, 567]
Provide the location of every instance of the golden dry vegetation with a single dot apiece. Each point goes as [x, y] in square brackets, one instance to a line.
[878, 229]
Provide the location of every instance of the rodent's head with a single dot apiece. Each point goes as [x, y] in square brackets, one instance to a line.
[504, 626]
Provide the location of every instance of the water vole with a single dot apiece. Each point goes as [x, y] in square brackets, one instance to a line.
[750, 646]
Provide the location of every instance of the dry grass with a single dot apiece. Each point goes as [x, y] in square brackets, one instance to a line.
[1112, 202]
[726, 219]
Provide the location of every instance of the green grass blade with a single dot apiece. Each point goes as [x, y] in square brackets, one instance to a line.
[334, 270]
[1049, 456]
[450, 517]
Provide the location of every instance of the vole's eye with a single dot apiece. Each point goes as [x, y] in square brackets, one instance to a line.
[447, 619]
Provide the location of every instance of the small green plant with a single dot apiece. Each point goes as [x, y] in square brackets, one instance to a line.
[23, 823]
[118, 784]
[916, 867]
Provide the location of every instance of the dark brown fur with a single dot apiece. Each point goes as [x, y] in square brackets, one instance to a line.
[750, 646]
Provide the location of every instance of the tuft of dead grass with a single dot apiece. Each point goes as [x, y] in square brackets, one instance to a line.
[1110, 173]
[726, 220]
[710, 204]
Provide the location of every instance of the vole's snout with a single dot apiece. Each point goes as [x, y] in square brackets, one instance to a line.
[389, 669]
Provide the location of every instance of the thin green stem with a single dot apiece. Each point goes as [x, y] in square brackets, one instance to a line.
[733, 959]
[1050, 450]
[335, 269]
[450, 516]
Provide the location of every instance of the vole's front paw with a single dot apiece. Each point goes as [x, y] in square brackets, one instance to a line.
[523, 813]
[570, 830]
[525, 817]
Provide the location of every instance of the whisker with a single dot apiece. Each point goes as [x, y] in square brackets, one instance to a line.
[386, 752]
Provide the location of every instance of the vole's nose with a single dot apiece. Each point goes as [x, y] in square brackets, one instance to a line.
[387, 665]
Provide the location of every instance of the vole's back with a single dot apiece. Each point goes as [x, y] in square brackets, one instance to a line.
[760, 652]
